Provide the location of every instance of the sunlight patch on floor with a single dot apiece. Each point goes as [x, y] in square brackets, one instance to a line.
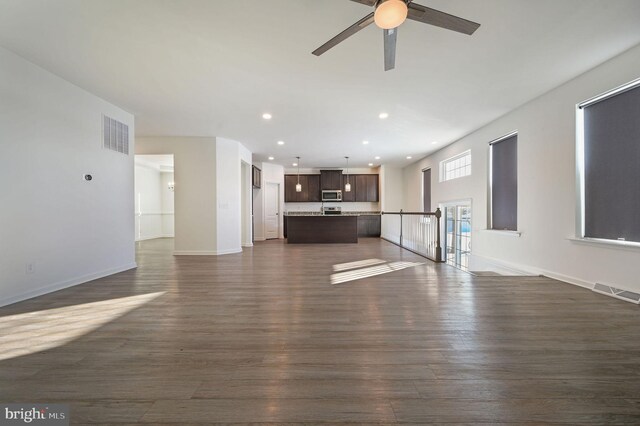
[370, 271]
[358, 264]
[31, 332]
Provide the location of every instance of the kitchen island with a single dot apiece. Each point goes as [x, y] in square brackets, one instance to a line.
[307, 229]
[313, 227]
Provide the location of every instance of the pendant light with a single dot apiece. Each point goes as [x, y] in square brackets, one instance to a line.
[347, 186]
[298, 186]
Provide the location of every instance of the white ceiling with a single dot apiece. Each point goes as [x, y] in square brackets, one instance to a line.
[212, 67]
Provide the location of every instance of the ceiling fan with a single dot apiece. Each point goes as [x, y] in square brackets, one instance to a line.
[389, 14]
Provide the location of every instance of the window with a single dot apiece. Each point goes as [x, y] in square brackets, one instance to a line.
[609, 164]
[456, 167]
[426, 190]
[503, 175]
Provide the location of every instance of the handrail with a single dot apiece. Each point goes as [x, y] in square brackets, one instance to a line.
[437, 214]
[414, 213]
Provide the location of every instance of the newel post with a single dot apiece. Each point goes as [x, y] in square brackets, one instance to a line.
[401, 228]
[438, 247]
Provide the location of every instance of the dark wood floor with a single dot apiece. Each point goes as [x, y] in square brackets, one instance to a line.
[264, 336]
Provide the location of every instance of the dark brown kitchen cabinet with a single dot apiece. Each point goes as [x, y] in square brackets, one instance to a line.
[367, 188]
[310, 188]
[369, 226]
[290, 195]
[351, 195]
[364, 188]
[330, 179]
[373, 191]
[256, 177]
[313, 191]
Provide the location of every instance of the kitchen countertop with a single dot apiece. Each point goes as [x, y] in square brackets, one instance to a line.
[317, 213]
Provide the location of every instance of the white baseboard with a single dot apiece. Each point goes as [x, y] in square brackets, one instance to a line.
[393, 238]
[50, 288]
[531, 270]
[155, 237]
[259, 239]
[152, 237]
[205, 252]
[247, 245]
[567, 279]
[229, 251]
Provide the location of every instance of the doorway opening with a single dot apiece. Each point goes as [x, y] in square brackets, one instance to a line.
[457, 235]
[246, 207]
[154, 197]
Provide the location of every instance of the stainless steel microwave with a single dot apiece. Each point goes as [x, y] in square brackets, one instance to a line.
[332, 195]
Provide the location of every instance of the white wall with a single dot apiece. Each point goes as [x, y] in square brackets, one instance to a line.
[246, 193]
[69, 230]
[230, 155]
[546, 186]
[391, 200]
[257, 200]
[194, 163]
[207, 196]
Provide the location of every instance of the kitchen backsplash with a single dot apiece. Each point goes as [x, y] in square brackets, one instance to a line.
[346, 206]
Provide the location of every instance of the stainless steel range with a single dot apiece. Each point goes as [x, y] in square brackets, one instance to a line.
[331, 210]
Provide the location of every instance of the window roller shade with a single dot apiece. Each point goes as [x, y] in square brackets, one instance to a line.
[612, 167]
[504, 187]
[426, 190]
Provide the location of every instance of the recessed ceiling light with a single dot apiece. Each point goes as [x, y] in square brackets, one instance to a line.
[377, 157]
[280, 142]
[409, 157]
[383, 115]
[295, 164]
[434, 143]
[266, 116]
[365, 142]
[271, 158]
[370, 164]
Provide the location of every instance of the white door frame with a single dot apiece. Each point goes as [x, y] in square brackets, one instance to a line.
[443, 225]
[246, 201]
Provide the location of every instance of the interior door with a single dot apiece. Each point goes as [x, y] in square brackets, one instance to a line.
[272, 211]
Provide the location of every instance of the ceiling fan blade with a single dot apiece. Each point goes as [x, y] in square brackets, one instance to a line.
[390, 38]
[366, 2]
[364, 22]
[440, 19]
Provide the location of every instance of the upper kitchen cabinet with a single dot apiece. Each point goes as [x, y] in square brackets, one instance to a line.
[367, 188]
[330, 179]
[310, 188]
[313, 185]
[363, 187]
[351, 195]
[290, 194]
[373, 188]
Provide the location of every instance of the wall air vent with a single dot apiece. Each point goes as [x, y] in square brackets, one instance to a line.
[629, 296]
[115, 135]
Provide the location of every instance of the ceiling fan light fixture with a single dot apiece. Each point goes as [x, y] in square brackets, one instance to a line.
[390, 14]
